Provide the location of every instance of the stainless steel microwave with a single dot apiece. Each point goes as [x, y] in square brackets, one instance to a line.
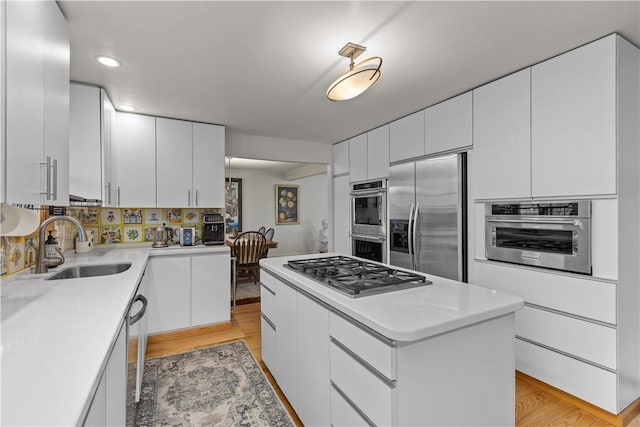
[554, 235]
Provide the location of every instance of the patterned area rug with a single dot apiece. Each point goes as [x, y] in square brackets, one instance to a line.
[221, 385]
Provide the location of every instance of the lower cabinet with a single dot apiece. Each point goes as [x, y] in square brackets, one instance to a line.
[295, 348]
[188, 290]
[109, 405]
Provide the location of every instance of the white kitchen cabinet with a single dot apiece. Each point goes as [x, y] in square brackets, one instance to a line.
[173, 162]
[56, 102]
[406, 137]
[341, 215]
[286, 372]
[448, 125]
[188, 290]
[378, 152]
[208, 165]
[369, 155]
[169, 293]
[36, 102]
[85, 178]
[210, 290]
[341, 158]
[358, 158]
[313, 362]
[502, 138]
[135, 139]
[573, 122]
[109, 404]
[109, 151]
[190, 164]
[295, 348]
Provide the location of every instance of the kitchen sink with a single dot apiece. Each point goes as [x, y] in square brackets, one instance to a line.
[80, 271]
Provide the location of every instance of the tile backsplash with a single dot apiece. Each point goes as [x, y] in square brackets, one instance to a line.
[111, 226]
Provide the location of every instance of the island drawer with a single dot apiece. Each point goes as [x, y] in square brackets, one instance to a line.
[368, 390]
[268, 302]
[268, 280]
[586, 340]
[377, 353]
[343, 413]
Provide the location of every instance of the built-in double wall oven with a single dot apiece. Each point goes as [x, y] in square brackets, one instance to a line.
[369, 219]
[553, 235]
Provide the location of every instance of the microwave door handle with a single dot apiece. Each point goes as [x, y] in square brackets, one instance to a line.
[410, 234]
[416, 260]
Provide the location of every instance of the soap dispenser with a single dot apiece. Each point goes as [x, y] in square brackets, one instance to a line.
[52, 252]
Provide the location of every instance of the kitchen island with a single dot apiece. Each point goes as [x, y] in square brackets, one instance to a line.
[57, 335]
[438, 354]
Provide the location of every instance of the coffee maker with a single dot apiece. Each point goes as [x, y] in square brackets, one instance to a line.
[212, 229]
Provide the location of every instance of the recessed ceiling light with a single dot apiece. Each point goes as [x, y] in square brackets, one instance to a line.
[127, 107]
[109, 61]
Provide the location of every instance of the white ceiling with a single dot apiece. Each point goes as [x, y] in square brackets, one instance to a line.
[262, 68]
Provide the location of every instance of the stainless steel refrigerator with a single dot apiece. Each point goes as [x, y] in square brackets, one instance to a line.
[427, 216]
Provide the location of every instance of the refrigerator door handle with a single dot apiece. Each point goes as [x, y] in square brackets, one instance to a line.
[415, 259]
[410, 230]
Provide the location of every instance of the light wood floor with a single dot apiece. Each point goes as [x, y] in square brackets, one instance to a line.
[535, 406]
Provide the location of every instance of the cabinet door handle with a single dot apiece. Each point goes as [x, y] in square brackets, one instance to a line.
[54, 175]
[108, 187]
[47, 181]
[196, 198]
[188, 197]
[118, 199]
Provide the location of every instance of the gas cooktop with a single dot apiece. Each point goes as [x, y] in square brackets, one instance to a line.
[354, 277]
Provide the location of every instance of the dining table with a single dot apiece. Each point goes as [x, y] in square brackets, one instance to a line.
[270, 244]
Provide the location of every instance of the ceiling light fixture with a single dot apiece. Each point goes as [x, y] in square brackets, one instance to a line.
[360, 77]
[108, 61]
[128, 108]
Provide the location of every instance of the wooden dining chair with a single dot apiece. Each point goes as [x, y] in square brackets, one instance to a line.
[261, 230]
[268, 235]
[245, 255]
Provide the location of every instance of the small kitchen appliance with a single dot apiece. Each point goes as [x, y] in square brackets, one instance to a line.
[187, 236]
[354, 277]
[160, 237]
[212, 229]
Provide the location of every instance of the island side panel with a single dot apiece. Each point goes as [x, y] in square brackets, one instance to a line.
[464, 377]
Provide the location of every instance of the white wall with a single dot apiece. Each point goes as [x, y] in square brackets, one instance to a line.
[258, 209]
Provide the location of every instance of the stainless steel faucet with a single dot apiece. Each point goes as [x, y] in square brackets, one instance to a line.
[42, 264]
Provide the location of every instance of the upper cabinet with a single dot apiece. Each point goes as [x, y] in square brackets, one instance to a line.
[85, 179]
[189, 162]
[559, 128]
[135, 139]
[369, 155]
[208, 165]
[406, 137]
[502, 138]
[36, 61]
[358, 158]
[573, 122]
[341, 158]
[448, 125]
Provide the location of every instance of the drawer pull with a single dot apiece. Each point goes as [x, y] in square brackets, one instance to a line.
[265, 287]
[352, 404]
[364, 363]
[266, 319]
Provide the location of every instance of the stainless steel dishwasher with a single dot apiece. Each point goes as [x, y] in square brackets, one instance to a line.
[137, 333]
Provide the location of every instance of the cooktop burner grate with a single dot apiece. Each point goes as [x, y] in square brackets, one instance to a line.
[354, 277]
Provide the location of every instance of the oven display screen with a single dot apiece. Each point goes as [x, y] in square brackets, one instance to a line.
[554, 241]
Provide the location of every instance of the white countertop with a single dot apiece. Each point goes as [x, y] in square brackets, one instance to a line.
[410, 314]
[56, 335]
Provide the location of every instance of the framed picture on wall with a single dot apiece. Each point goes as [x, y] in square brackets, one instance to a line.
[233, 204]
[287, 204]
